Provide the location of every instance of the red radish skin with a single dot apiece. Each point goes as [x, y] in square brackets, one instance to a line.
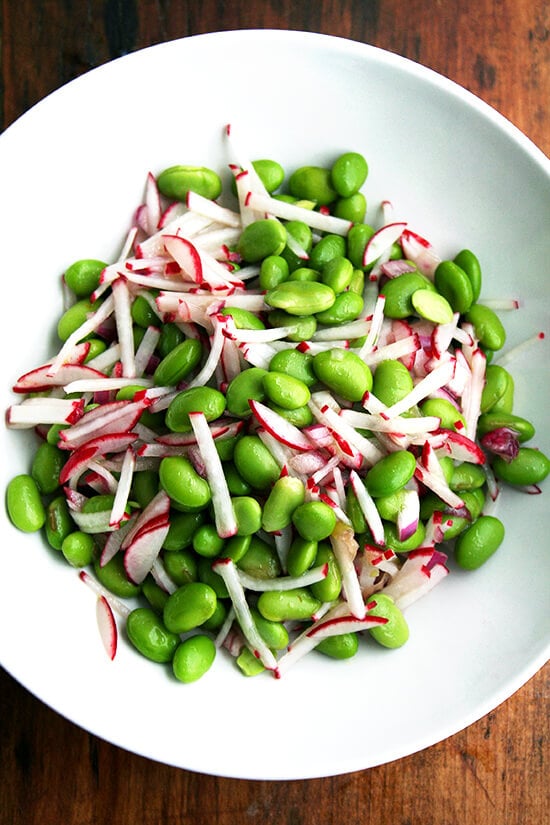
[107, 626]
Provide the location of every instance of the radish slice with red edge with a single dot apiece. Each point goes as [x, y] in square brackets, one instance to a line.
[107, 626]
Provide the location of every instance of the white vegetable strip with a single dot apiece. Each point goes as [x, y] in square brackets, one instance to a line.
[433, 381]
[354, 329]
[345, 549]
[119, 607]
[90, 325]
[368, 508]
[216, 346]
[98, 384]
[335, 422]
[227, 570]
[289, 211]
[124, 485]
[210, 209]
[311, 576]
[415, 425]
[375, 327]
[33, 411]
[226, 523]
[124, 325]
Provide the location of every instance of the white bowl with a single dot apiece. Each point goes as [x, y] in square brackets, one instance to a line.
[72, 171]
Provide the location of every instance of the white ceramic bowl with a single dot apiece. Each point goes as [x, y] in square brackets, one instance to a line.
[72, 171]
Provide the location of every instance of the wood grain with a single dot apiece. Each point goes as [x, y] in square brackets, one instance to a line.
[496, 771]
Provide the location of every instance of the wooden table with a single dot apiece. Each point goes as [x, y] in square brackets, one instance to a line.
[496, 771]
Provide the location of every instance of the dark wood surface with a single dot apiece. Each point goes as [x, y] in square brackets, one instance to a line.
[497, 771]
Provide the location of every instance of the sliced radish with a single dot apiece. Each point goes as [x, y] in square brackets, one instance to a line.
[107, 626]
[187, 256]
[279, 427]
[41, 378]
[143, 549]
[382, 240]
[224, 516]
[81, 457]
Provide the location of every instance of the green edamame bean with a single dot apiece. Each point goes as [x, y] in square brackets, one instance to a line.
[432, 306]
[78, 548]
[142, 313]
[207, 542]
[82, 277]
[530, 466]
[391, 505]
[467, 477]
[343, 646]
[273, 271]
[300, 417]
[354, 511]
[189, 606]
[453, 283]
[487, 326]
[145, 486]
[24, 504]
[468, 262]
[303, 298]
[498, 392]
[478, 542]
[343, 372]
[235, 482]
[193, 658]
[74, 317]
[295, 363]
[217, 618]
[260, 560]
[352, 209]
[248, 515]
[391, 473]
[181, 530]
[347, 307]
[357, 238]
[177, 181]
[447, 465]
[188, 491]
[398, 293]
[474, 501]
[301, 556]
[302, 234]
[181, 566]
[327, 248]
[96, 347]
[349, 173]
[304, 273]
[442, 408]
[59, 523]
[207, 400]
[395, 632]
[248, 384]
[212, 578]
[170, 336]
[248, 664]
[328, 589]
[304, 325]
[337, 273]
[225, 446]
[149, 635]
[313, 183]
[286, 495]
[262, 238]
[113, 576]
[155, 595]
[237, 546]
[47, 463]
[488, 422]
[392, 541]
[314, 520]
[287, 605]
[255, 463]
[243, 319]
[270, 172]
[52, 436]
[392, 381]
[285, 390]
[357, 283]
[178, 363]
[274, 634]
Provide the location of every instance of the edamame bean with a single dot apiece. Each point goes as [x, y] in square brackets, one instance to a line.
[96, 347]
[149, 636]
[274, 634]
[237, 546]
[343, 646]
[260, 560]
[74, 317]
[498, 392]
[442, 408]
[295, 363]
[113, 576]
[207, 542]
[255, 463]
[391, 473]
[327, 248]
[47, 463]
[354, 511]
[181, 566]
[357, 283]
[395, 632]
[177, 181]
[217, 618]
[432, 306]
[270, 172]
[304, 273]
[193, 658]
[314, 520]
[357, 238]
[347, 307]
[304, 298]
[394, 543]
[398, 293]
[262, 238]
[452, 282]
[273, 271]
[208, 576]
[155, 595]
[287, 605]
[530, 466]
[248, 384]
[304, 325]
[392, 381]
[242, 318]
[285, 496]
[145, 486]
[474, 501]
[391, 505]
[285, 390]
[248, 515]
[329, 588]
[468, 262]
[181, 530]
[467, 477]
[313, 183]
[78, 548]
[188, 491]
[301, 556]
[300, 417]
[352, 209]
[178, 363]
[170, 336]
[343, 372]
[487, 326]
[478, 542]
[235, 482]
[488, 422]
[142, 313]
[337, 273]
[302, 234]
[59, 523]
[207, 400]
[82, 277]
[24, 504]
[349, 173]
[248, 664]
[189, 606]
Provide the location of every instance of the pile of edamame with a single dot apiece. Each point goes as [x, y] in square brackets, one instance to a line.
[344, 474]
